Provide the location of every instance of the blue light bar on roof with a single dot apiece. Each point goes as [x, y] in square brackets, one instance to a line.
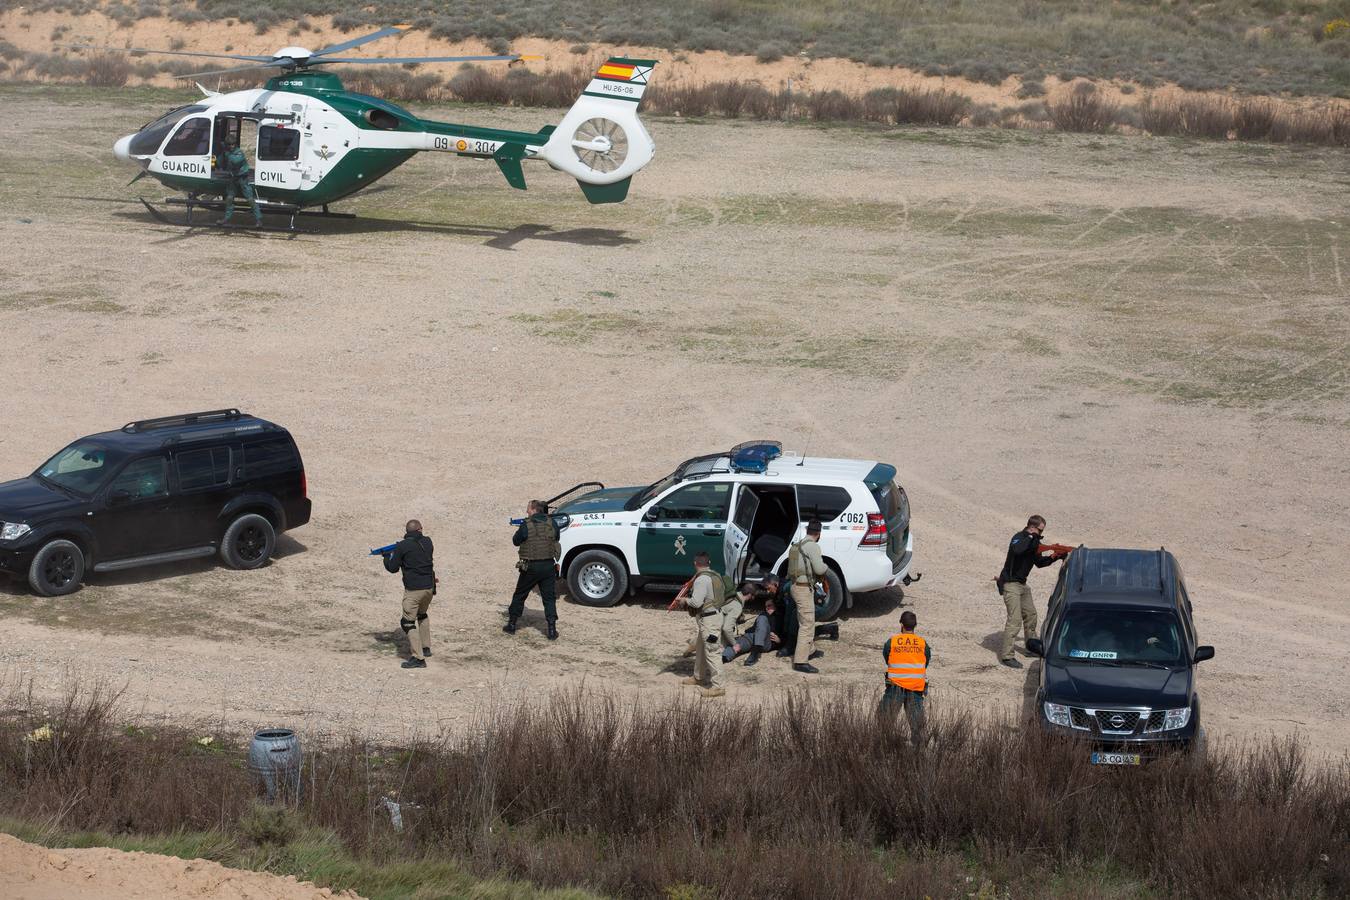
[754, 456]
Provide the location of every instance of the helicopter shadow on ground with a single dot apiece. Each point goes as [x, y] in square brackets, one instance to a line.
[495, 237]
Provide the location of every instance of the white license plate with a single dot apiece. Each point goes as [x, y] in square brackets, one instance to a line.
[1116, 759]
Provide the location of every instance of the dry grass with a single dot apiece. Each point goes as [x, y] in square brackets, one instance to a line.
[809, 797]
[1083, 109]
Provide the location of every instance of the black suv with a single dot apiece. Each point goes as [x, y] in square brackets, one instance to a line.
[156, 491]
[1120, 650]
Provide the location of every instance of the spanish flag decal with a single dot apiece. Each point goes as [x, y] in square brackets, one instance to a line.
[617, 71]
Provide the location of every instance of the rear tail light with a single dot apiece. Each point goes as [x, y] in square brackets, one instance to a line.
[304, 484]
[876, 531]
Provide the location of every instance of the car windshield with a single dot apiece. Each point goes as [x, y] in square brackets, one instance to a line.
[82, 467]
[652, 490]
[1118, 637]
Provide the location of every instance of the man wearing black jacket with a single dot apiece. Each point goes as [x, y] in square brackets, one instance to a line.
[1024, 554]
[412, 556]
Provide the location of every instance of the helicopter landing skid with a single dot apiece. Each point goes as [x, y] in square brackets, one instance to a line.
[193, 202]
[159, 216]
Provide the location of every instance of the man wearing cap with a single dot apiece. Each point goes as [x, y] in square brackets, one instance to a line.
[907, 656]
[806, 567]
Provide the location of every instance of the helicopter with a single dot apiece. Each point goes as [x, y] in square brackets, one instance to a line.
[316, 142]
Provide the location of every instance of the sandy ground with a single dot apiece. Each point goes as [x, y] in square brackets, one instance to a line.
[30, 872]
[41, 31]
[1143, 340]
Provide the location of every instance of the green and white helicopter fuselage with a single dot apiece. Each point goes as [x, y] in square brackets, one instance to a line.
[313, 142]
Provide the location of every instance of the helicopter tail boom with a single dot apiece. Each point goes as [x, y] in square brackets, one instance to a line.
[601, 141]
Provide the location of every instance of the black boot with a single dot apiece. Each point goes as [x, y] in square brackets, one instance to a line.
[552, 631]
[510, 626]
[752, 659]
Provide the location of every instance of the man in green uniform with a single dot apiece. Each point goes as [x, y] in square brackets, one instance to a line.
[706, 598]
[806, 566]
[239, 180]
[537, 540]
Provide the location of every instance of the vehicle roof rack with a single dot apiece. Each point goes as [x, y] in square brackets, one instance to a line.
[197, 418]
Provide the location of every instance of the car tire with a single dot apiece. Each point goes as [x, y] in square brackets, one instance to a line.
[828, 610]
[248, 542]
[596, 578]
[57, 569]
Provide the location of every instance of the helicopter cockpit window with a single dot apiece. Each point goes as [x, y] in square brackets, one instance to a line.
[193, 138]
[148, 139]
[278, 143]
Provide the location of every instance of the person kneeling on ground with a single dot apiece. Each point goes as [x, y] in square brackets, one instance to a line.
[763, 635]
[787, 610]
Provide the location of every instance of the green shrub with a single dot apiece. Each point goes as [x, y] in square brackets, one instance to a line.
[769, 52]
[269, 826]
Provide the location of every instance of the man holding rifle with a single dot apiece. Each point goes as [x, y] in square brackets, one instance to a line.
[537, 541]
[1024, 554]
[706, 598]
[412, 557]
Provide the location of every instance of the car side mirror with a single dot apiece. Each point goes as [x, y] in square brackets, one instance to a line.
[119, 497]
[650, 515]
[1035, 647]
[1204, 653]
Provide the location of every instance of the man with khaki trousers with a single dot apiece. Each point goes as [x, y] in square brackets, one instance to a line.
[706, 598]
[1024, 554]
[412, 556]
[806, 567]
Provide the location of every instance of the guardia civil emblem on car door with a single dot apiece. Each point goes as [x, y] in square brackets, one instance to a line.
[679, 546]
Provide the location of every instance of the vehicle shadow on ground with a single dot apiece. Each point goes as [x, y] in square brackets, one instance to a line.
[314, 227]
[877, 605]
[1030, 685]
[993, 642]
[286, 546]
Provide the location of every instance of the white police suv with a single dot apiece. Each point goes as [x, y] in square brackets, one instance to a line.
[744, 507]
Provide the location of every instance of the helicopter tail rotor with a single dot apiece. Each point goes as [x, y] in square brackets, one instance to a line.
[601, 141]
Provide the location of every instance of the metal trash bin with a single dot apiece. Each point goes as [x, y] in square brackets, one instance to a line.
[274, 757]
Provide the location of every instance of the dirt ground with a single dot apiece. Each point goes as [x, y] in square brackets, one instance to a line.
[30, 872]
[1144, 340]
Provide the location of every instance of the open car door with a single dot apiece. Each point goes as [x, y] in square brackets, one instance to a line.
[736, 544]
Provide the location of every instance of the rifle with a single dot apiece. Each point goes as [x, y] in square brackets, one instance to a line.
[381, 551]
[1057, 551]
[679, 597]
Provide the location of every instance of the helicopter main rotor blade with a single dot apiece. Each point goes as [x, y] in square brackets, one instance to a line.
[165, 52]
[405, 60]
[364, 39]
[271, 65]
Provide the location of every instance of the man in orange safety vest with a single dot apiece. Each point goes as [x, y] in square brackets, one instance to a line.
[907, 656]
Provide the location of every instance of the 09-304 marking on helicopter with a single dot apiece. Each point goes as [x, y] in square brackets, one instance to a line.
[312, 142]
